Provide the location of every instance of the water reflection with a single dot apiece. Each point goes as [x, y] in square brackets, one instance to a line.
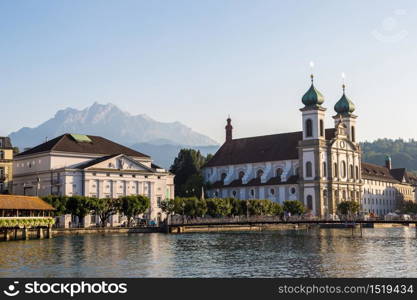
[314, 253]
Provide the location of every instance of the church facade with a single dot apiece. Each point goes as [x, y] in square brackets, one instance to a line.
[320, 167]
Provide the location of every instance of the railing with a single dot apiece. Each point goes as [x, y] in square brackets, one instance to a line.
[178, 220]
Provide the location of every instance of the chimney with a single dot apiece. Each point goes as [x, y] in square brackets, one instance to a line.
[229, 130]
[388, 163]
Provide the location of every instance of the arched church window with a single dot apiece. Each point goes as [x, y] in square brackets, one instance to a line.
[293, 190]
[335, 170]
[234, 193]
[272, 191]
[252, 192]
[352, 174]
[309, 169]
[223, 177]
[309, 128]
[321, 128]
[343, 169]
[241, 174]
[310, 202]
[353, 133]
[279, 172]
[259, 173]
[324, 169]
[357, 172]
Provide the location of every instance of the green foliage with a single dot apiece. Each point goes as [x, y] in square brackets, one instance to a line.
[403, 153]
[133, 205]
[408, 207]
[58, 202]
[221, 207]
[26, 222]
[294, 207]
[79, 206]
[187, 169]
[104, 208]
[348, 208]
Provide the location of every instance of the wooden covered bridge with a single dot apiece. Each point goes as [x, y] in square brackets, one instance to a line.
[23, 217]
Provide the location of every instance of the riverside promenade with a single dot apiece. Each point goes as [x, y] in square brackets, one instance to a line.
[183, 224]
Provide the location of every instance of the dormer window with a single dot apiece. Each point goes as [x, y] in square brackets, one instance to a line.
[259, 173]
[223, 177]
[241, 175]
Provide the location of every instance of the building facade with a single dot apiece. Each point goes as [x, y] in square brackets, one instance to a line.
[6, 164]
[92, 166]
[320, 167]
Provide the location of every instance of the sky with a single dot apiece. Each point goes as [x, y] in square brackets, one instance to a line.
[198, 61]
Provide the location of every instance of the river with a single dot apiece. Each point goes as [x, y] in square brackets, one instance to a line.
[389, 252]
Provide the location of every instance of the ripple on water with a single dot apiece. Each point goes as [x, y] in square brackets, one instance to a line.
[386, 252]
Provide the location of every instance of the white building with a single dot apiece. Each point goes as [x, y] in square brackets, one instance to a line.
[320, 167]
[74, 164]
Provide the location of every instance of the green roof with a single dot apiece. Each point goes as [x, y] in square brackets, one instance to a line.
[344, 106]
[81, 138]
[312, 97]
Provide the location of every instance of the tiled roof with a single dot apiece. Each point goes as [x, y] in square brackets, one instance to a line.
[371, 171]
[23, 202]
[273, 147]
[98, 145]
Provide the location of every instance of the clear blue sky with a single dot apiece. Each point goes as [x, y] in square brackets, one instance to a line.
[197, 61]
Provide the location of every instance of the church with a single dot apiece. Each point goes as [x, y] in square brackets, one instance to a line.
[318, 166]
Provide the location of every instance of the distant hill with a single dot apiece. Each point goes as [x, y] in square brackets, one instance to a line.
[112, 123]
[403, 153]
[164, 155]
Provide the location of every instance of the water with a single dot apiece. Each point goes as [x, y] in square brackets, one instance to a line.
[317, 253]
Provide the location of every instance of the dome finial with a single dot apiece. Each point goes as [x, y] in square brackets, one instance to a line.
[343, 82]
[311, 68]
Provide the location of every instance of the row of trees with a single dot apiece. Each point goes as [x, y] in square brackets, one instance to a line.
[224, 207]
[80, 206]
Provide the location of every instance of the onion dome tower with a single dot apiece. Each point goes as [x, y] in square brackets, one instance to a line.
[312, 98]
[344, 106]
[344, 109]
[313, 113]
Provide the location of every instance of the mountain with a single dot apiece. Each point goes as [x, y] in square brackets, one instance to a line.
[164, 155]
[403, 153]
[112, 123]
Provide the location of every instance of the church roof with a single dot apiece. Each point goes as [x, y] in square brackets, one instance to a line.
[82, 144]
[273, 147]
[344, 106]
[312, 97]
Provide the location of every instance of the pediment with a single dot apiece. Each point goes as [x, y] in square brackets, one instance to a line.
[119, 162]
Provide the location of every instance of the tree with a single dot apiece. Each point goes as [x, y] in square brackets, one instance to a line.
[408, 207]
[348, 208]
[58, 202]
[134, 205]
[294, 207]
[187, 169]
[78, 206]
[104, 208]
